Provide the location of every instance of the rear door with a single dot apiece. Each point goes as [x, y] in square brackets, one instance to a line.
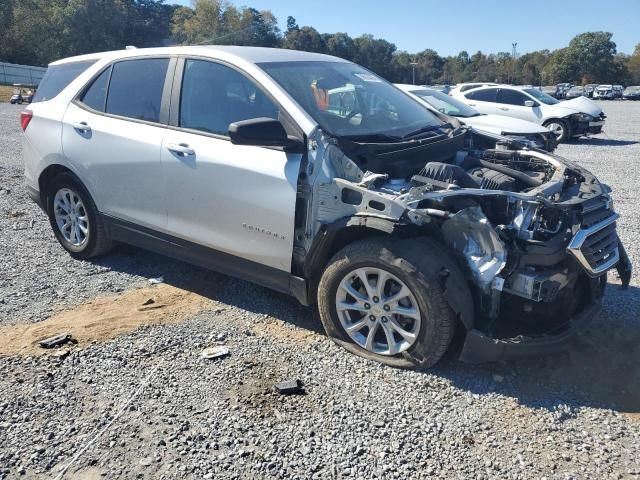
[112, 134]
[238, 200]
[511, 103]
[483, 100]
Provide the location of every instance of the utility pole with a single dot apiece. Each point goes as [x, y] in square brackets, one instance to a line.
[514, 56]
[413, 65]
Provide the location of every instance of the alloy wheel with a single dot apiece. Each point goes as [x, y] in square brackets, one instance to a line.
[71, 217]
[378, 311]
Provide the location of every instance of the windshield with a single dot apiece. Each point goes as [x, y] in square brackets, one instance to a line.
[541, 96]
[348, 100]
[445, 104]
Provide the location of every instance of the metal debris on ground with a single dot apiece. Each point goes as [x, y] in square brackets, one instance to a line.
[56, 340]
[157, 280]
[290, 387]
[24, 225]
[212, 353]
[149, 301]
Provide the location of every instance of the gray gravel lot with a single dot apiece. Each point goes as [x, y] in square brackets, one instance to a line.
[172, 414]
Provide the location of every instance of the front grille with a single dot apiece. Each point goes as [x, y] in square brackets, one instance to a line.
[599, 248]
[595, 245]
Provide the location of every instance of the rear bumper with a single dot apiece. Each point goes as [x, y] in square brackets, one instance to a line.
[479, 348]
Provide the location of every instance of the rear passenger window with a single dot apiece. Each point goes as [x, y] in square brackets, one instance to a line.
[214, 95]
[511, 97]
[96, 95]
[57, 78]
[485, 95]
[135, 90]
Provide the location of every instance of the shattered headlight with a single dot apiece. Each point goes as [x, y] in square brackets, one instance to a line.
[581, 117]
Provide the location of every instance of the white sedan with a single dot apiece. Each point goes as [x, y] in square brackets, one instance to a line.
[529, 132]
[571, 118]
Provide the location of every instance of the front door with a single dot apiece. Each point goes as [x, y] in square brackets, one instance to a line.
[238, 200]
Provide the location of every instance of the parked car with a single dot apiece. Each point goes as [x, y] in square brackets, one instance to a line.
[549, 90]
[529, 133]
[604, 92]
[567, 119]
[562, 89]
[574, 92]
[463, 87]
[631, 93]
[589, 89]
[403, 226]
[617, 91]
[441, 88]
[21, 94]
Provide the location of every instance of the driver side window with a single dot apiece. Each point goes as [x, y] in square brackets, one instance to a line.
[214, 96]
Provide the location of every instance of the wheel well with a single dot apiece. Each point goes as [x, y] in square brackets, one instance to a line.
[45, 178]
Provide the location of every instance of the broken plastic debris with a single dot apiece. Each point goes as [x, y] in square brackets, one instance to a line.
[212, 353]
[157, 280]
[149, 301]
[56, 340]
[290, 387]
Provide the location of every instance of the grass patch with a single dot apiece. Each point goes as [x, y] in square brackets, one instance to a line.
[5, 93]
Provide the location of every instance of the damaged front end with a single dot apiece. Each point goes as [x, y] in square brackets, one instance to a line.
[535, 233]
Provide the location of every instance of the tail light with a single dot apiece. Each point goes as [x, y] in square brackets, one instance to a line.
[25, 118]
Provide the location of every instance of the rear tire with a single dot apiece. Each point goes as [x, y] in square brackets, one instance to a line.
[422, 266]
[560, 129]
[74, 218]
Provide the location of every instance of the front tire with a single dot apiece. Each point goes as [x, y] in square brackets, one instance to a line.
[384, 299]
[74, 218]
[560, 129]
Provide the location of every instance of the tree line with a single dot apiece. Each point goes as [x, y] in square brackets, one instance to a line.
[36, 32]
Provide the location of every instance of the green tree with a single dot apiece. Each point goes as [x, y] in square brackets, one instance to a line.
[375, 54]
[306, 39]
[340, 45]
[633, 65]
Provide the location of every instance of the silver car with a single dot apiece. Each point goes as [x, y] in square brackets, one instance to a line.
[315, 177]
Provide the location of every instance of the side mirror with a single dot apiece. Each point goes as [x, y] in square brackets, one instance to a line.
[529, 103]
[262, 132]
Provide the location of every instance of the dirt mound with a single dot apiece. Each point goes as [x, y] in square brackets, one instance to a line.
[105, 318]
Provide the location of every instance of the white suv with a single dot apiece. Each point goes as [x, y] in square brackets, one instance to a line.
[567, 119]
[313, 176]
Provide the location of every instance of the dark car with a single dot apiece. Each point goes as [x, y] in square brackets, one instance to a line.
[631, 93]
[574, 92]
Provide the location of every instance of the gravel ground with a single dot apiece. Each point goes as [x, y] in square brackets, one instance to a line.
[172, 414]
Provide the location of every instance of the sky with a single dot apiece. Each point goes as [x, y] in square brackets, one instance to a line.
[451, 26]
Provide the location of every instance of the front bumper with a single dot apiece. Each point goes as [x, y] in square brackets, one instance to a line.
[479, 348]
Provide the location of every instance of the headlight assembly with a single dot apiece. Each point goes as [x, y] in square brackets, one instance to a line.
[581, 117]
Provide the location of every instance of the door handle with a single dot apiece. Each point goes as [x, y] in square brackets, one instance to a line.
[82, 127]
[471, 104]
[181, 149]
[503, 108]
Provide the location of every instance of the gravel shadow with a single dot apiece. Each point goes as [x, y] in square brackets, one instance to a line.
[212, 285]
[601, 142]
[599, 368]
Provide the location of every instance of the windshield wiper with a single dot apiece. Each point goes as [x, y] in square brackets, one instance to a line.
[373, 137]
[430, 128]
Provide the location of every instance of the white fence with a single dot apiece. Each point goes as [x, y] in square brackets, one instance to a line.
[11, 73]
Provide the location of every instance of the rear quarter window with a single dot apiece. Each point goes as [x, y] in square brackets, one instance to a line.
[135, 89]
[57, 78]
[485, 95]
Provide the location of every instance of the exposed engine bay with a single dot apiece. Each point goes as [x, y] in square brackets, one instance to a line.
[534, 233]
